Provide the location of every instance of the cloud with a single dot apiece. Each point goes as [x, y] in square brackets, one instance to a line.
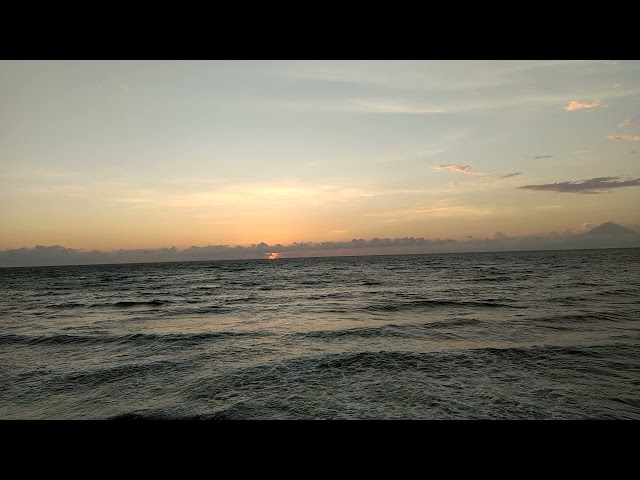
[466, 169]
[509, 175]
[580, 152]
[634, 151]
[455, 168]
[538, 157]
[588, 226]
[441, 208]
[627, 122]
[573, 105]
[282, 193]
[420, 76]
[384, 105]
[432, 87]
[409, 155]
[58, 255]
[630, 138]
[123, 86]
[590, 186]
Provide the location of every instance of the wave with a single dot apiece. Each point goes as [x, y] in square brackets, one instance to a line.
[209, 309]
[134, 338]
[129, 303]
[90, 378]
[66, 305]
[510, 382]
[316, 282]
[572, 321]
[207, 288]
[417, 304]
[631, 291]
[392, 330]
[322, 296]
[475, 359]
[158, 414]
[495, 279]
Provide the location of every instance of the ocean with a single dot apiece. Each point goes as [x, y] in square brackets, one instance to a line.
[510, 335]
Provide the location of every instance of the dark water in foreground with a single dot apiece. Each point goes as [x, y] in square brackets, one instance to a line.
[517, 335]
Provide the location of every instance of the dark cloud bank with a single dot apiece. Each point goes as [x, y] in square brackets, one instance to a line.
[57, 255]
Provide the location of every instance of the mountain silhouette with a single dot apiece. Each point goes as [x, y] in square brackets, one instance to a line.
[610, 229]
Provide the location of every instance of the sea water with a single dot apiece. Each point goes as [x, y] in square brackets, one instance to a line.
[512, 335]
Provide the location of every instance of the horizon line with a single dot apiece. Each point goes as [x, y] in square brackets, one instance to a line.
[337, 255]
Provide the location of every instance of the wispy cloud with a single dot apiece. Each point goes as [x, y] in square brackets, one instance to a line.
[573, 105]
[420, 100]
[590, 186]
[439, 75]
[630, 138]
[537, 157]
[411, 154]
[123, 86]
[580, 152]
[466, 169]
[627, 122]
[255, 196]
[455, 168]
[378, 105]
[440, 208]
[509, 175]
[634, 151]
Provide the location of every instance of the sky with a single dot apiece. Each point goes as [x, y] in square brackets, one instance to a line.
[130, 155]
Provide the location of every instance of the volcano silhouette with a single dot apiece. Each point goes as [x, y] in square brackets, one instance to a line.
[610, 229]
